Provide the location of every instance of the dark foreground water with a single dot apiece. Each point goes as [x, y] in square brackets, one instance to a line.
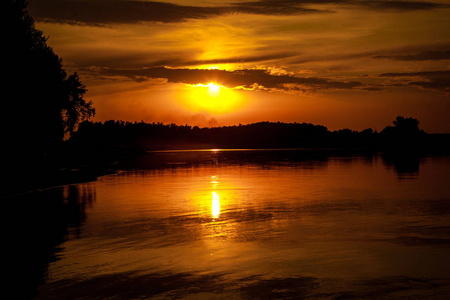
[237, 225]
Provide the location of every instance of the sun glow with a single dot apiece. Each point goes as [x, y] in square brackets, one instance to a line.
[213, 88]
[211, 97]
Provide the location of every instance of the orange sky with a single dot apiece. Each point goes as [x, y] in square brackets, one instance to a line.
[343, 64]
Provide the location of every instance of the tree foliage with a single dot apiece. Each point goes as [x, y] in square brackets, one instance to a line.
[403, 128]
[407, 125]
[41, 102]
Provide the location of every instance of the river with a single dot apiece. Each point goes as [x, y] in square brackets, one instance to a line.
[238, 224]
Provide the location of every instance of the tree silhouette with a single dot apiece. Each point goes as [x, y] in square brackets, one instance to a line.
[40, 101]
[407, 125]
[76, 109]
[403, 127]
[405, 134]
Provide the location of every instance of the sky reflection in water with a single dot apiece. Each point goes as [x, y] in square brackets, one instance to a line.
[218, 225]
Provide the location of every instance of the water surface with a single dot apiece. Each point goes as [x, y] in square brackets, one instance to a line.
[241, 225]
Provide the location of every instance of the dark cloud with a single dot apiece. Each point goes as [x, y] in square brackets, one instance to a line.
[332, 57]
[98, 12]
[290, 6]
[419, 53]
[281, 7]
[247, 78]
[402, 5]
[372, 89]
[120, 11]
[231, 60]
[437, 80]
[174, 59]
[425, 55]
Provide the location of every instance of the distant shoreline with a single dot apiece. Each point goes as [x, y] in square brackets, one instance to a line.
[141, 136]
[249, 149]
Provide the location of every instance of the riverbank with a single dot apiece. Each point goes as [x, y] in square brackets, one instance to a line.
[25, 173]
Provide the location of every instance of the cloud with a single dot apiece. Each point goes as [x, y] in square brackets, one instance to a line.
[372, 89]
[100, 12]
[287, 7]
[246, 78]
[437, 80]
[281, 7]
[402, 5]
[425, 55]
[158, 58]
[231, 60]
[96, 12]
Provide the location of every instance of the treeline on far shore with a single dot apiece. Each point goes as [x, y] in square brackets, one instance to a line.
[97, 148]
[404, 135]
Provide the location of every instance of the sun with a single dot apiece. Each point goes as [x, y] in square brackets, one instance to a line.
[211, 97]
[213, 88]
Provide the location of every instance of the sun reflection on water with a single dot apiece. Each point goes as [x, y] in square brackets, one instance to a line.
[215, 204]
